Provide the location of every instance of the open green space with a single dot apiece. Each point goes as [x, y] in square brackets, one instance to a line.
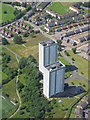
[59, 8]
[9, 15]
[13, 62]
[81, 63]
[79, 82]
[6, 106]
[10, 89]
[31, 46]
[68, 71]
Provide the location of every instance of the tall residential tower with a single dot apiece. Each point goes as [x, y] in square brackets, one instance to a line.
[53, 71]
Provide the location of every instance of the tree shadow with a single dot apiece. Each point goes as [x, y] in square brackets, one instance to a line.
[70, 91]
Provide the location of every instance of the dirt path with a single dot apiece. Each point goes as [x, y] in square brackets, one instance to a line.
[17, 93]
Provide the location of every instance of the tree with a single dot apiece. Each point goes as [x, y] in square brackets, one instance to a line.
[22, 63]
[17, 39]
[74, 50]
[59, 42]
[5, 12]
[24, 4]
[4, 41]
[25, 35]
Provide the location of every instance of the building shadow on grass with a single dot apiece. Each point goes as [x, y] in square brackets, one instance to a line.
[70, 68]
[70, 91]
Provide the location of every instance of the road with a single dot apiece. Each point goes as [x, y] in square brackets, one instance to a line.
[38, 28]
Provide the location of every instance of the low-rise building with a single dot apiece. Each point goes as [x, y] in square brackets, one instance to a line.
[66, 39]
[72, 42]
[27, 27]
[2, 31]
[51, 24]
[51, 13]
[79, 113]
[14, 30]
[17, 23]
[67, 15]
[6, 33]
[48, 29]
[62, 21]
[7, 26]
[75, 9]
[24, 25]
[42, 6]
[9, 34]
[21, 24]
[17, 31]
[10, 28]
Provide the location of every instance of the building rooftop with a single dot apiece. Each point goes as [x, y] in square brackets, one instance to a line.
[55, 66]
[47, 43]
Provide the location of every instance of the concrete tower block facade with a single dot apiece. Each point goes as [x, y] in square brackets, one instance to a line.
[47, 54]
[53, 70]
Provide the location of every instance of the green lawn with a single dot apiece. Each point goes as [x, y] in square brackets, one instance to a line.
[4, 17]
[79, 82]
[59, 8]
[6, 106]
[68, 71]
[31, 44]
[80, 62]
[13, 62]
[10, 89]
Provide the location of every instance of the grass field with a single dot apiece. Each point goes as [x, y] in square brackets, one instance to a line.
[6, 106]
[13, 62]
[68, 71]
[79, 82]
[4, 17]
[31, 46]
[10, 89]
[80, 62]
[60, 8]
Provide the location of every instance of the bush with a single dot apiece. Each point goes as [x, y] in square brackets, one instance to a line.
[74, 50]
[4, 41]
[17, 39]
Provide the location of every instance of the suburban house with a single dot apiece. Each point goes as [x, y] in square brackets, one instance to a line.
[67, 15]
[2, 31]
[17, 23]
[48, 29]
[6, 33]
[27, 27]
[21, 24]
[51, 13]
[42, 6]
[51, 24]
[17, 31]
[24, 25]
[9, 34]
[10, 28]
[14, 30]
[7, 26]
